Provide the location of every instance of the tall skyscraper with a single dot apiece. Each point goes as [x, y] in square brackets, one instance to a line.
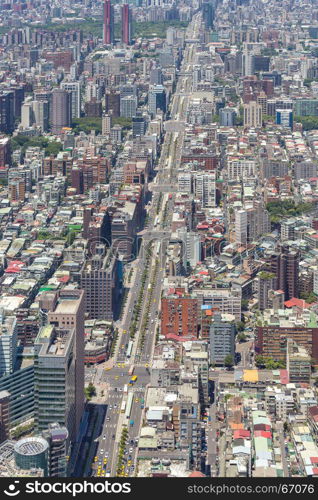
[7, 112]
[222, 340]
[252, 114]
[74, 89]
[285, 266]
[108, 23]
[61, 110]
[65, 311]
[8, 344]
[156, 99]
[126, 24]
[128, 106]
[55, 378]
[100, 280]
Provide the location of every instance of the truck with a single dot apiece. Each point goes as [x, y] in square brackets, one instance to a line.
[131, 423]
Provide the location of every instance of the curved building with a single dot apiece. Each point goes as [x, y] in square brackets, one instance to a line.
[32, 453]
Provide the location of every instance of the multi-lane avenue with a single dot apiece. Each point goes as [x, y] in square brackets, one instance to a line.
[102, 458]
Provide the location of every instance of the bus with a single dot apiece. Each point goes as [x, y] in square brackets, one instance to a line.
[158, 245]
[125, 389]
[129, 349]
[133, 380]
[130, 400]
[131, 370]
[123, 406]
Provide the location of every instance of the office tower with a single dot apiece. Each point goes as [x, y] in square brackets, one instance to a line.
[112, 102]
[61, 110]
[170, 35]
[247, 62]
[5, 151]
[306, 107]
[8, 344]
[100, 280]
[93, 108]
[285, 266]
[305, 169]
[128, 90]
[7, 116]
[57, 437]
[4, 416]
[106, 124]
[138, 126]
[227, 117]
[284, 117]
[260, 63]
[156, 99]
[55, 378]
[74, 89]
[241, 227]
[252, 114]
[156, 76]
[116, 133]
[93, 90]
[208, 14]
[288, 272]
[191, 244]
[27, 114]
[222, 340]
[205, 188]
[41, 114]
[128, 106]
[126, 24]
[18, 99]
[266, 283]
[65, 310]
[108, 23]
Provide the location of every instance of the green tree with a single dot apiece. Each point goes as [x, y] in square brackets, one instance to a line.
[90, 391]
[308, 122]
[229, 361]
[241, 337]
[240, 325]
[87, 124]
[244, 305]
[259, 361]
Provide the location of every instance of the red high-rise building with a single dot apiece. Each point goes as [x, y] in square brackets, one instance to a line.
[126, 24]
[108, 23]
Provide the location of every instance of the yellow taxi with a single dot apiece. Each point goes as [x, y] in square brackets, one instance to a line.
[95, 459]
[125, 331]
[105, 461]
[136, 400]
[117, 377]
[129, 463]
